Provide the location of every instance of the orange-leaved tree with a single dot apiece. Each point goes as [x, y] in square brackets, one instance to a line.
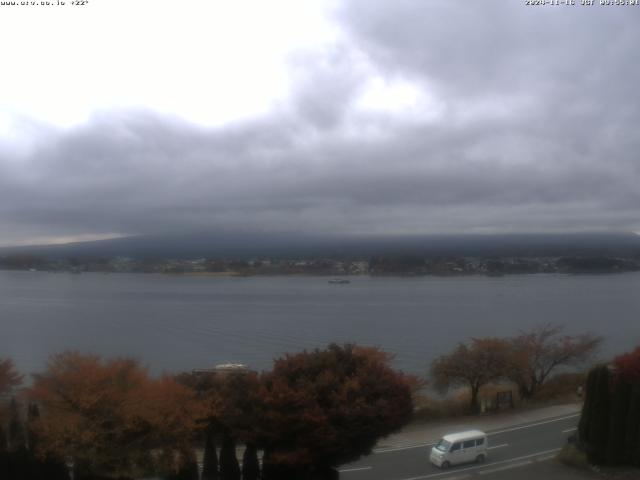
[109, 417]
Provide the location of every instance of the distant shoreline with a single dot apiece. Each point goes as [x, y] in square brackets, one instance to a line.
[236, 274]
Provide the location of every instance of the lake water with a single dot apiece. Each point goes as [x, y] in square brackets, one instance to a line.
[177, 323]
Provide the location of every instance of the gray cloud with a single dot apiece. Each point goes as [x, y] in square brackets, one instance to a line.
[538, 132]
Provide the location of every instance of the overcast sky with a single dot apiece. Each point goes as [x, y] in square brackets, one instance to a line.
[412, 116]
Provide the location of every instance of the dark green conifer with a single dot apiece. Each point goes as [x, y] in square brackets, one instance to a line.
[587, 407]
[229, 467]
[250, 463]
[16, 437]
[3, 440]
[210, 459]
[188, 468]
[54, 469]
[33, 414]
[49, 468]
[620, 396]
[632, 434]
[599, 421]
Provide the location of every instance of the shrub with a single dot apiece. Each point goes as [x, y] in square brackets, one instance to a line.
[561, 386]
[574, 457]
[427, 408]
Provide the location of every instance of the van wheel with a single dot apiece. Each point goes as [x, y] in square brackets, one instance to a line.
[445, 465]
[480, 459]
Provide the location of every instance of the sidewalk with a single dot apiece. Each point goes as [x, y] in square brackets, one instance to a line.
[429, 433]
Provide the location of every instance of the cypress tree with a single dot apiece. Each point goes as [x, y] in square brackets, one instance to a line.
[188, 469]
[229, 468]
[81, 471]
[21, 465]
[166, 464]
[587, 407]
[632, 434]
[54, 469]
[599, 421]
[210, 459]
[620, 396]
[33, 414]
[4, 464]
[3, 440]
[49, 468]
[16, 430]
[250, 463]
[268, 470]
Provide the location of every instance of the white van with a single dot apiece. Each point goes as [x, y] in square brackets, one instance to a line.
[462, 447]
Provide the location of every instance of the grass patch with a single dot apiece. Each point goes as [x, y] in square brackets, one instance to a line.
[428, 408]
[560, 389]
[574, 457]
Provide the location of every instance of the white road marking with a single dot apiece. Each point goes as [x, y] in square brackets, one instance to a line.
[476, 467]
[422, 445]
[534, 424]
[569, 430]
[499, 446]
[407, 447]
[546, 458]
[505, 467]
[460, 477]
[354, 469]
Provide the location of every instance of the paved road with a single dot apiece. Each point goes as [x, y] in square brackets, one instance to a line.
[510, 448]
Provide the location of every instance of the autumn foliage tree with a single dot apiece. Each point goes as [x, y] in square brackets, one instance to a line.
[627, 366]
[323, 408]
[228, 412]
[483, 361]
[543, 350]
[108, 415]
[231, 405]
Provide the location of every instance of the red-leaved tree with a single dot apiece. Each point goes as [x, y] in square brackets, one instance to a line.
[627, 366]
[323, 408]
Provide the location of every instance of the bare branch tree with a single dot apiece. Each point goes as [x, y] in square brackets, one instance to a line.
[540, 351]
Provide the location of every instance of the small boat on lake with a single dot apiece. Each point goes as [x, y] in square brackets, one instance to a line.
[339, 281]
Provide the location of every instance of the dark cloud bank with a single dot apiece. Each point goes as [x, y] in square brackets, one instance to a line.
[537, 131]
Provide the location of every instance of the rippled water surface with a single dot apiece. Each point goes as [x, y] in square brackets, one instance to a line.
[178, 322]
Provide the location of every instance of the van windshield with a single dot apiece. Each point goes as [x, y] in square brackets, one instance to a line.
[443, 445]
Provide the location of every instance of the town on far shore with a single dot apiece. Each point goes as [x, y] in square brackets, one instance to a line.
[401, 265]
